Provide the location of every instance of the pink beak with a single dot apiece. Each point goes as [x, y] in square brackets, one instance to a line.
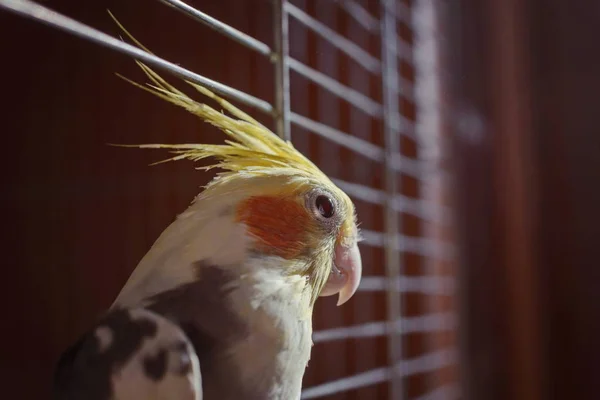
[345, 273]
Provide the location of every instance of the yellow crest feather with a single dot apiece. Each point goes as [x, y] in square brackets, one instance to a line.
[251, 147]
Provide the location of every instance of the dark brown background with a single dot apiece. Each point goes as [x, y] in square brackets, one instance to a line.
[526, 71]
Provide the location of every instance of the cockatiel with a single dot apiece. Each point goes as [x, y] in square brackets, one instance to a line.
[240, 270]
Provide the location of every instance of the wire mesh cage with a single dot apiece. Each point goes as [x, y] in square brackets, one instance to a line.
[353, 84]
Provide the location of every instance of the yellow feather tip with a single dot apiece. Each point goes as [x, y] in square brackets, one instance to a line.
[250, 146]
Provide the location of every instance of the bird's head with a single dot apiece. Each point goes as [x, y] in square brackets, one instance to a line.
[292, 211]
[289, 208]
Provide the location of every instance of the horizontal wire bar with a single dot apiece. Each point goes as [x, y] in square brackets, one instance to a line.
[370, 23]
[432, 285]
[354, 143]
[360, 15]
[447, 392]
[368, 378]
[415, 168]
[404, 126]
[354, 97]
[409, 244]
[402, 50]
[361, 192]
[359, 55]
[423, 209]
[406, 325]
[221, 27]
[410, 166]
[402, 12]
[425, 247]
[372, 238]
[371, 329]
[42, 14]
[427, 363]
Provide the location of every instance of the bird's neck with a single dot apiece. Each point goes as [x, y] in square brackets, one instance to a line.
[252, 331]
[273, 356]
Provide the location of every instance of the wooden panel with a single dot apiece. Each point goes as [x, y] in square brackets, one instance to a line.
[526, 86]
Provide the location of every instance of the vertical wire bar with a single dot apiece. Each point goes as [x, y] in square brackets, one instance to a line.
[282, 71]
[392, 144]
[428, 128]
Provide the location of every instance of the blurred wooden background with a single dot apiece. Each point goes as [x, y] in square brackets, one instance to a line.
[524, 83]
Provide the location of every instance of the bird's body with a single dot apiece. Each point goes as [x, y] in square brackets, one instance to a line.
[240, 270]
[255, 349]
[246, 316]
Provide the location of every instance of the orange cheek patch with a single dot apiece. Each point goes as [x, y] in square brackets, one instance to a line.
[280, 224]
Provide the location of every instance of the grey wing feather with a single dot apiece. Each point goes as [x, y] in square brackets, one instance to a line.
[130, 354]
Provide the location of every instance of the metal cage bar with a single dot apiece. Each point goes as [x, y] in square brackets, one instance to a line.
[282, 69]
[372, 25]
[220, 27]
[404, 368]
[354, 97]
[416, 284]
[360, 15]
[406, 325]
[409, 244]
[393, 262]
[422, 209]
[357, 54]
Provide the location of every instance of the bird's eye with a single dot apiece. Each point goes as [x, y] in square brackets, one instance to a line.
[325, 206]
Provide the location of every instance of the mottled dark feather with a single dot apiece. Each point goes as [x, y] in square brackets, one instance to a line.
[130, 354]
[199, 308]
[83, 371]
